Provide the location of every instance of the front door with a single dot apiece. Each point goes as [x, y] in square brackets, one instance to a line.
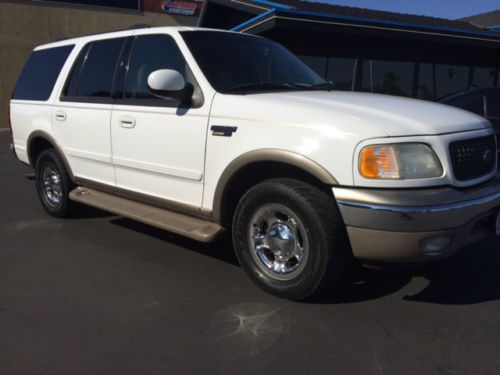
[158, 144]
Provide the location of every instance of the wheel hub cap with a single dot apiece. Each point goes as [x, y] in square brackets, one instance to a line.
[52, 186]
[278, 241]
[281, 240]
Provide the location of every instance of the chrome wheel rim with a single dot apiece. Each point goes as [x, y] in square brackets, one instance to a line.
[51, 186]
[278, 241]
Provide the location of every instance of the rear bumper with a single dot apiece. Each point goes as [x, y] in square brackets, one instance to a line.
[417, 225]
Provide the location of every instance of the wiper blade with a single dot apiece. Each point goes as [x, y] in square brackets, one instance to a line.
[323, 86]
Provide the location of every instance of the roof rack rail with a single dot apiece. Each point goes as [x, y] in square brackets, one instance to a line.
[140, 26]
[133, 27]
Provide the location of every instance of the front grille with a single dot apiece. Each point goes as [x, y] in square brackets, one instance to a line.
[473, 158]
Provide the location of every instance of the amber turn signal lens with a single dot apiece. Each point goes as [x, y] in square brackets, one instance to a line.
[379, 161]
[368, 163]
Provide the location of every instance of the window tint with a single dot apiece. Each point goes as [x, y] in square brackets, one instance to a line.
[99, 65]
[40, 73]
[234, 62]
[450, 79]
[72, 85]
[341, 72]
[150, 53]
[316, 63]
[425, 86]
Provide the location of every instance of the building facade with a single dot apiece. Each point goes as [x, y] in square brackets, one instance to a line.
[26, 24]
[373, 51]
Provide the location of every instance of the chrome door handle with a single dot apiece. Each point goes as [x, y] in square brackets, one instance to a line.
[60, 116]
[127, 122]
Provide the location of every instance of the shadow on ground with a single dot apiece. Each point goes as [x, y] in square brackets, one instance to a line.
[471, 276]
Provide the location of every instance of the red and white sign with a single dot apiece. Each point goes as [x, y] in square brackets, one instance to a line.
[183, 7]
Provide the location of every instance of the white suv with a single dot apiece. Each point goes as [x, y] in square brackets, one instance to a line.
[202, 132]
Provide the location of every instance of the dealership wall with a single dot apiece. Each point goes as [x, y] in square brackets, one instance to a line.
[24, 25]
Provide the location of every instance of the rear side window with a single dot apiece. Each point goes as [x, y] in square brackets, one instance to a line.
[40, 73]
[94, 71]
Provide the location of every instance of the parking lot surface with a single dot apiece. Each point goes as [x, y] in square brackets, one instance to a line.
[100, 294]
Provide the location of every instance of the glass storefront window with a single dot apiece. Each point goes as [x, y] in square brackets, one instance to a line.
[388, 77]
[483, 77]
[425, 86]
[451, 79]
[341, 72]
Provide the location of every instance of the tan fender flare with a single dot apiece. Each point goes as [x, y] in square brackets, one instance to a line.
[37, 134]
[267, 155]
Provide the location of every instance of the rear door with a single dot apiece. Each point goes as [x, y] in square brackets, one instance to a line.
[159, 143]
[82, 114]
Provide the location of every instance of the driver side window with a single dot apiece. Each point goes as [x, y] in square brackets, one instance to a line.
[150, 53]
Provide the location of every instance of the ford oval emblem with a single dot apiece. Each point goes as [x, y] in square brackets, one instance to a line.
[488, 156]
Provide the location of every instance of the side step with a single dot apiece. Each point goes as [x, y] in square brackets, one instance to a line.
[194, 228]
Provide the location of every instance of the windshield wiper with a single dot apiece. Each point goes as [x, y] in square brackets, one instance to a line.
[257, 86]
[323, 86]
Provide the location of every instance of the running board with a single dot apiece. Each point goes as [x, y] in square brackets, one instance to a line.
[191, 227]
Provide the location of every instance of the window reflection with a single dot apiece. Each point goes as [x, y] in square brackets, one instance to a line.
[426, 84]
[483, 77]
[424, 80]
[451, 79]
[316, 63]
[341, 72]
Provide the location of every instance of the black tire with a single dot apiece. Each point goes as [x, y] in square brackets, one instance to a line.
[329, 254]
[50, 160]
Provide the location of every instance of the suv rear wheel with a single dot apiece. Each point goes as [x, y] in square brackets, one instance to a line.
[290, 239]
[53, 184]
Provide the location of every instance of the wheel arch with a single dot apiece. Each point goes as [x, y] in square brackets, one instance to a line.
[39, 141]
[239, 176]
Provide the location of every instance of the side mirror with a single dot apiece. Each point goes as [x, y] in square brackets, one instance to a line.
[167, 83]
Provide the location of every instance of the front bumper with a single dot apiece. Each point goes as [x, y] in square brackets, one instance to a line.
[419, 225]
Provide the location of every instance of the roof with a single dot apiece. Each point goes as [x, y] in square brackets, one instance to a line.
[376, 14]
[259, 12]
[485, 20]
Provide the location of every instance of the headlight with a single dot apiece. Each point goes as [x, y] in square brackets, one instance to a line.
[399, 161]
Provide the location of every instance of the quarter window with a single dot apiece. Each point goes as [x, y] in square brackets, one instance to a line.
[40, 73]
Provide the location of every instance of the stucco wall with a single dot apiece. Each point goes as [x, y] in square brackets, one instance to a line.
[25, 25]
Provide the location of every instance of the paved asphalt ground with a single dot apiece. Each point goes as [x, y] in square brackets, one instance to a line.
[105, 295]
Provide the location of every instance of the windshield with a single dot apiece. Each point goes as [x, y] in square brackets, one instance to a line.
[238, 63]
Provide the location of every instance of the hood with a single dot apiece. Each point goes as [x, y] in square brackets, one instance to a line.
[370, 115]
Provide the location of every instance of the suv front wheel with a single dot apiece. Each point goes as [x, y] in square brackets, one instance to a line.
[290, 239]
